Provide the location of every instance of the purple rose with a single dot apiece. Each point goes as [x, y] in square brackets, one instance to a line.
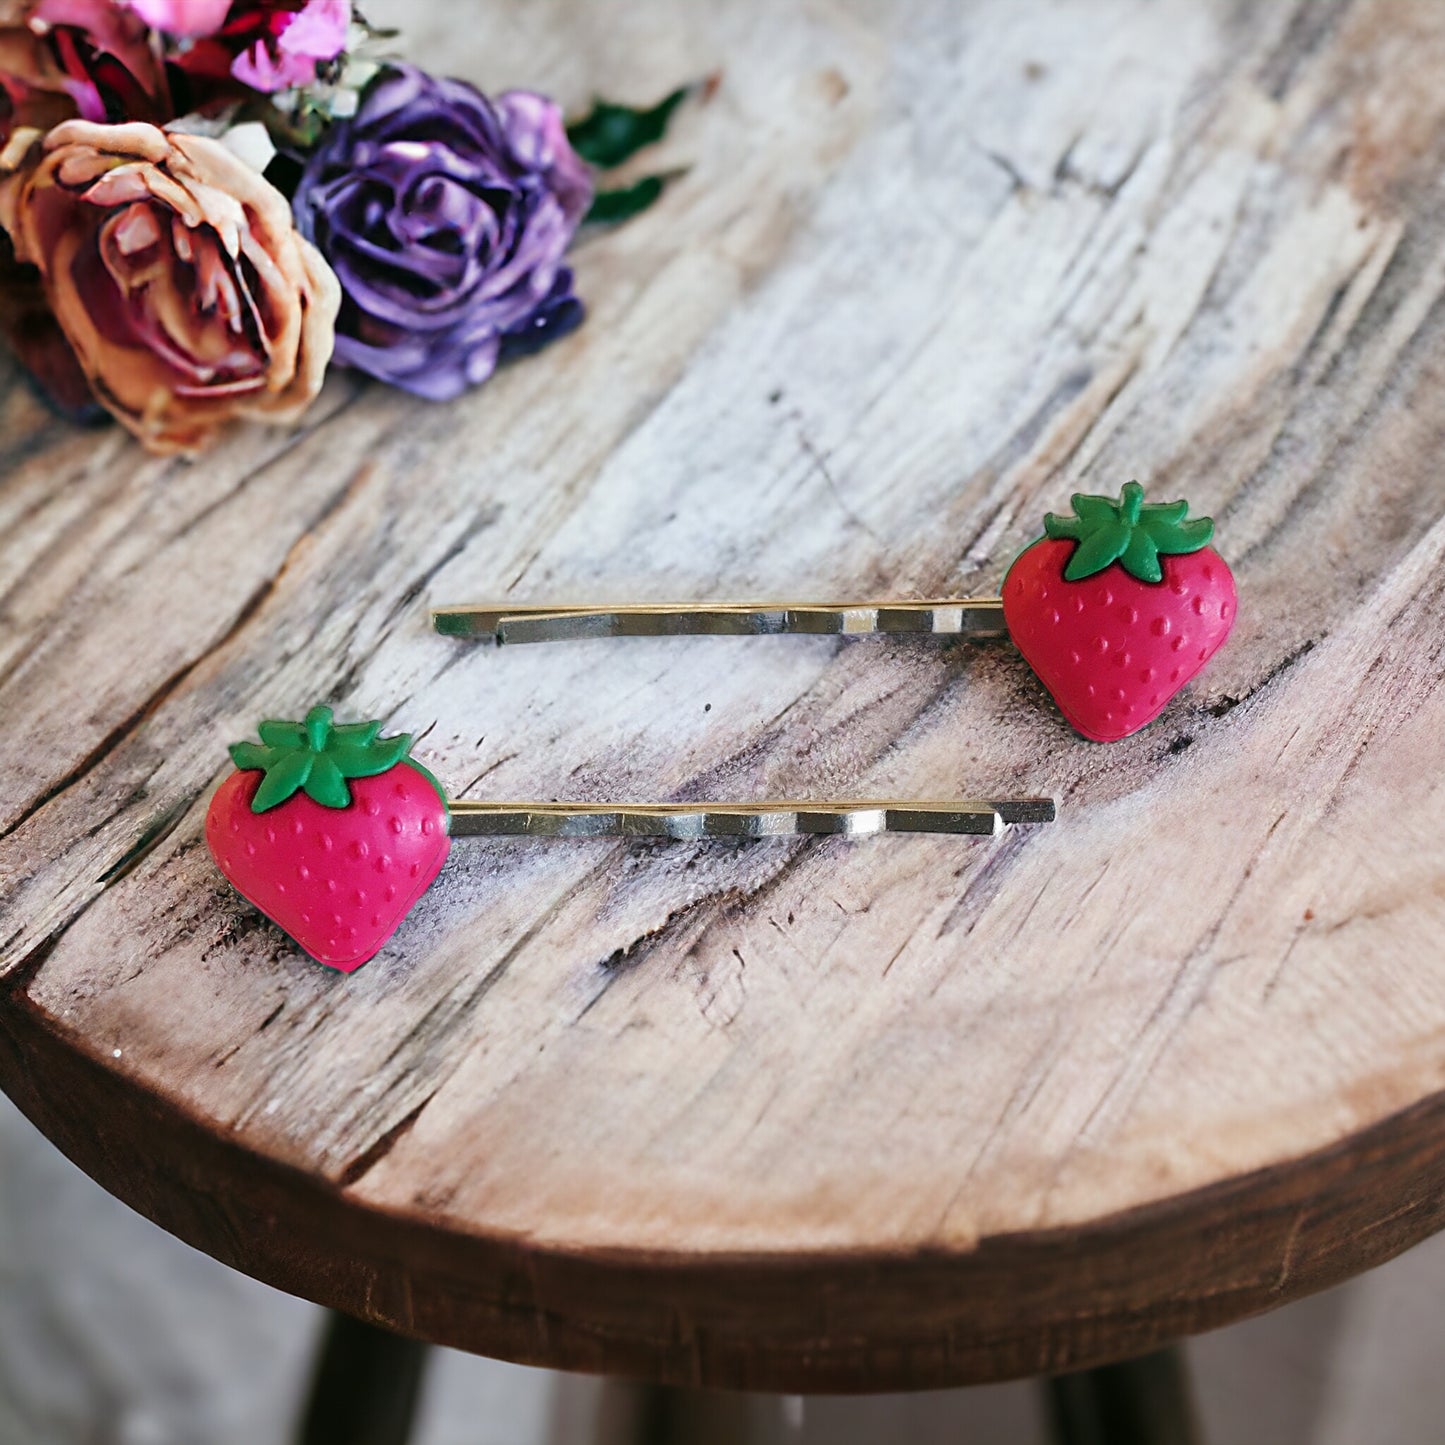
[445, 215]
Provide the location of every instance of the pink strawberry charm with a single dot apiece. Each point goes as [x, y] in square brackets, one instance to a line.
[1117, 607]
[333, 832]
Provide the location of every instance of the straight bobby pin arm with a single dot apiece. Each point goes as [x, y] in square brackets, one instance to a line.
[971, 617]
[728, 820]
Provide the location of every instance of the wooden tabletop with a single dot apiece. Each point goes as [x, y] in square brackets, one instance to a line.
[802, 1114]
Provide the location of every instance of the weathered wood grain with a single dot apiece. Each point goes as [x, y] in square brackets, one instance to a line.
[801, 1115]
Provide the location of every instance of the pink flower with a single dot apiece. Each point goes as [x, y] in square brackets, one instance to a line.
[60, 58]
[187, 18]
[289, 54]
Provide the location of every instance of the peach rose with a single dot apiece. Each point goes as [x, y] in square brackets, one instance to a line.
[177, 275]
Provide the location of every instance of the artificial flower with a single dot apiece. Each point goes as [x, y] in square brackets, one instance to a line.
[271, 45]
[31, 332]
[87, 58]
[313, 36]
[446, 217]
[185, 19]
[177, 276]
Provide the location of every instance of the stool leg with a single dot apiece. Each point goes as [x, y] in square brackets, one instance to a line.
[659, 1417]
[365, 1388]
[1139, 1402]
[670, 1416]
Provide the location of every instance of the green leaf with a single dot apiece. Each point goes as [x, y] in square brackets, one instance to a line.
[318, 727]
[1099, 547]
[1186, 537]
[1141, 557]
[361, 733]
[1094, 511]
[609, 207]
[252, 756]
[1132, 532]
[611, 134]
[1062, 529]
[282, 734]
[283, 779]
[1170, 513]
[317, 756]
[326, 785]
[367, 762]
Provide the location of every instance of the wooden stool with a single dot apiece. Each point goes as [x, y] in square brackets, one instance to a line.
[801, 1116]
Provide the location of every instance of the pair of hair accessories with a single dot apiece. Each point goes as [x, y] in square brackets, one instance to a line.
[335, 832]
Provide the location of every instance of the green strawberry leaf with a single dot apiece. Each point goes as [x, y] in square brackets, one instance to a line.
[1094, 511]
[1169, 513]
[1098, 547]
[1063, 528]
[252, 756]
[282, 734]
[1141, 557]
[1131, 532]
[362, 733]
[1189, 537]
[367, 762]
[284, 777]
[326, 785]
[317, 757]
[318, 728]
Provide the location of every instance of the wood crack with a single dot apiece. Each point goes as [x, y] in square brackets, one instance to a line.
[107, 745]
[365, 1162]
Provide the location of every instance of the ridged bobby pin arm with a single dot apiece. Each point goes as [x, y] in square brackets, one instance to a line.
[731, 820]
[951, 617]
[334, 831]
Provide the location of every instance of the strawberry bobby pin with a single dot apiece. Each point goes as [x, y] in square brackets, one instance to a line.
[334, 832]
[1116, 607]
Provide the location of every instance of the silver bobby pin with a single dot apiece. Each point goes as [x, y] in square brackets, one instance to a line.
[729, 820]
[954, 617]
[334, 832]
